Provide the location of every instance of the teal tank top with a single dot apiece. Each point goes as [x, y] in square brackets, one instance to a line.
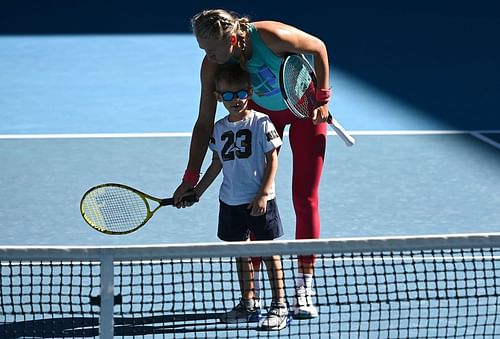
[264, 67]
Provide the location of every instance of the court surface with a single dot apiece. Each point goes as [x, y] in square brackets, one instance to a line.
[77, 111]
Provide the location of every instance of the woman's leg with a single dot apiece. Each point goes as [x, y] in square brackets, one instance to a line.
[308, 144]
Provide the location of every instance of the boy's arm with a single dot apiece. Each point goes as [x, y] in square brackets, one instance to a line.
[209, 176]
[270, 173]
[258, 205]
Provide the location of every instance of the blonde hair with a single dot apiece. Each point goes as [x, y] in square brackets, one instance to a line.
[220, 24]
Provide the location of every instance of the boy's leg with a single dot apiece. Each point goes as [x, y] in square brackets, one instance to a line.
[264, 227]
[247, 309]
[245, 277]
[232, 227]
[277, 316]
[276, 277]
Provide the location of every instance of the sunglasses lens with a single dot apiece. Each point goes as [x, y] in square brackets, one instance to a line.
[227, 96]
[242, 94]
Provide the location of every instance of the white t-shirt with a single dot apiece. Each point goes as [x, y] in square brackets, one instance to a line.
[241, 147]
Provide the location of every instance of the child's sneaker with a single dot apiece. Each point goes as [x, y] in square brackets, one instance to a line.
[276, 319]
[246, 311]
[303, 307]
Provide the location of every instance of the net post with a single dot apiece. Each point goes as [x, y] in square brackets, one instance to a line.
[106, 321]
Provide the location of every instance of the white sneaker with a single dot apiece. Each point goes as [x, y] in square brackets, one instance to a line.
[276, 318]
[246, 311]
[303, 307]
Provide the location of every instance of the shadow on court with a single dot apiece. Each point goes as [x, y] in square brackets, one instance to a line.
[79, 327]
[50, 328]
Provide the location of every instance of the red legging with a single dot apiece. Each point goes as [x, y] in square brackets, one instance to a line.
[308, 143]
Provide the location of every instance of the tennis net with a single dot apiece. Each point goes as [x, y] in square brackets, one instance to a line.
[398, 287]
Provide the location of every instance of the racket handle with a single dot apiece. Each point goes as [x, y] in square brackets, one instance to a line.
[170, 201]
[341, 132]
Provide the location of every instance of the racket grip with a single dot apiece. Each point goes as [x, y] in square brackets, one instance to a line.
[341, 132]
[170, 201]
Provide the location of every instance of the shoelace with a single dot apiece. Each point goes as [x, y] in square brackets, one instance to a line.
[304, 292]
[276, 310]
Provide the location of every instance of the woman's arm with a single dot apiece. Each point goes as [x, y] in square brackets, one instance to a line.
[283, 39]
[202, 130]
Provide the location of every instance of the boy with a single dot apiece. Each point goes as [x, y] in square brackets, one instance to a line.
[244, 145]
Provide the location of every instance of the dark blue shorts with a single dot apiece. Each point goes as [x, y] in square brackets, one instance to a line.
[236, 223]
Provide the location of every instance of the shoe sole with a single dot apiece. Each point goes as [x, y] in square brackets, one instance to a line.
[253, 319]
[305, 315]
[263, 328]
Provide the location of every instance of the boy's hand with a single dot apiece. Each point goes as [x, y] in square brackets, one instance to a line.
[258, 206]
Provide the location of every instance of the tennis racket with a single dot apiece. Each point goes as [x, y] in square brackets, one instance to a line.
[120, 209]
[298, 86]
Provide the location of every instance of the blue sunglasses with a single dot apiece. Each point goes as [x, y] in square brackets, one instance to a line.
[228, 95]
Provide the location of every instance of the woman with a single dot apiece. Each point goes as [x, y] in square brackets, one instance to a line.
[259, 47]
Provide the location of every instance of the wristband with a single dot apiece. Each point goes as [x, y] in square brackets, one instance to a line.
[191, 177]
[323, 95]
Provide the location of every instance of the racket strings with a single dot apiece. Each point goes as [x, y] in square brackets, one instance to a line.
[299, 87]
[114, 209]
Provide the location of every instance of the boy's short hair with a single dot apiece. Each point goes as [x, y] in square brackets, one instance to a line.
[232, 73]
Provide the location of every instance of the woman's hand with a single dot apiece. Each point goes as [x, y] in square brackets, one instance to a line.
[320, 114]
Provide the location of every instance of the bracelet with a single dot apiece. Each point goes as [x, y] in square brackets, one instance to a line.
[191, 177]
[323, 95]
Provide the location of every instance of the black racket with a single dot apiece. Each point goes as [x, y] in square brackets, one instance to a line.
[298, 86]
[120, 209]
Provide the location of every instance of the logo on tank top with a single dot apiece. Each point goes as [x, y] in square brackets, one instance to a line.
[264, 82]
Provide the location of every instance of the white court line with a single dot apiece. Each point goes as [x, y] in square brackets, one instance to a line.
[93, 135]
[418, 132]
[476, 134]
